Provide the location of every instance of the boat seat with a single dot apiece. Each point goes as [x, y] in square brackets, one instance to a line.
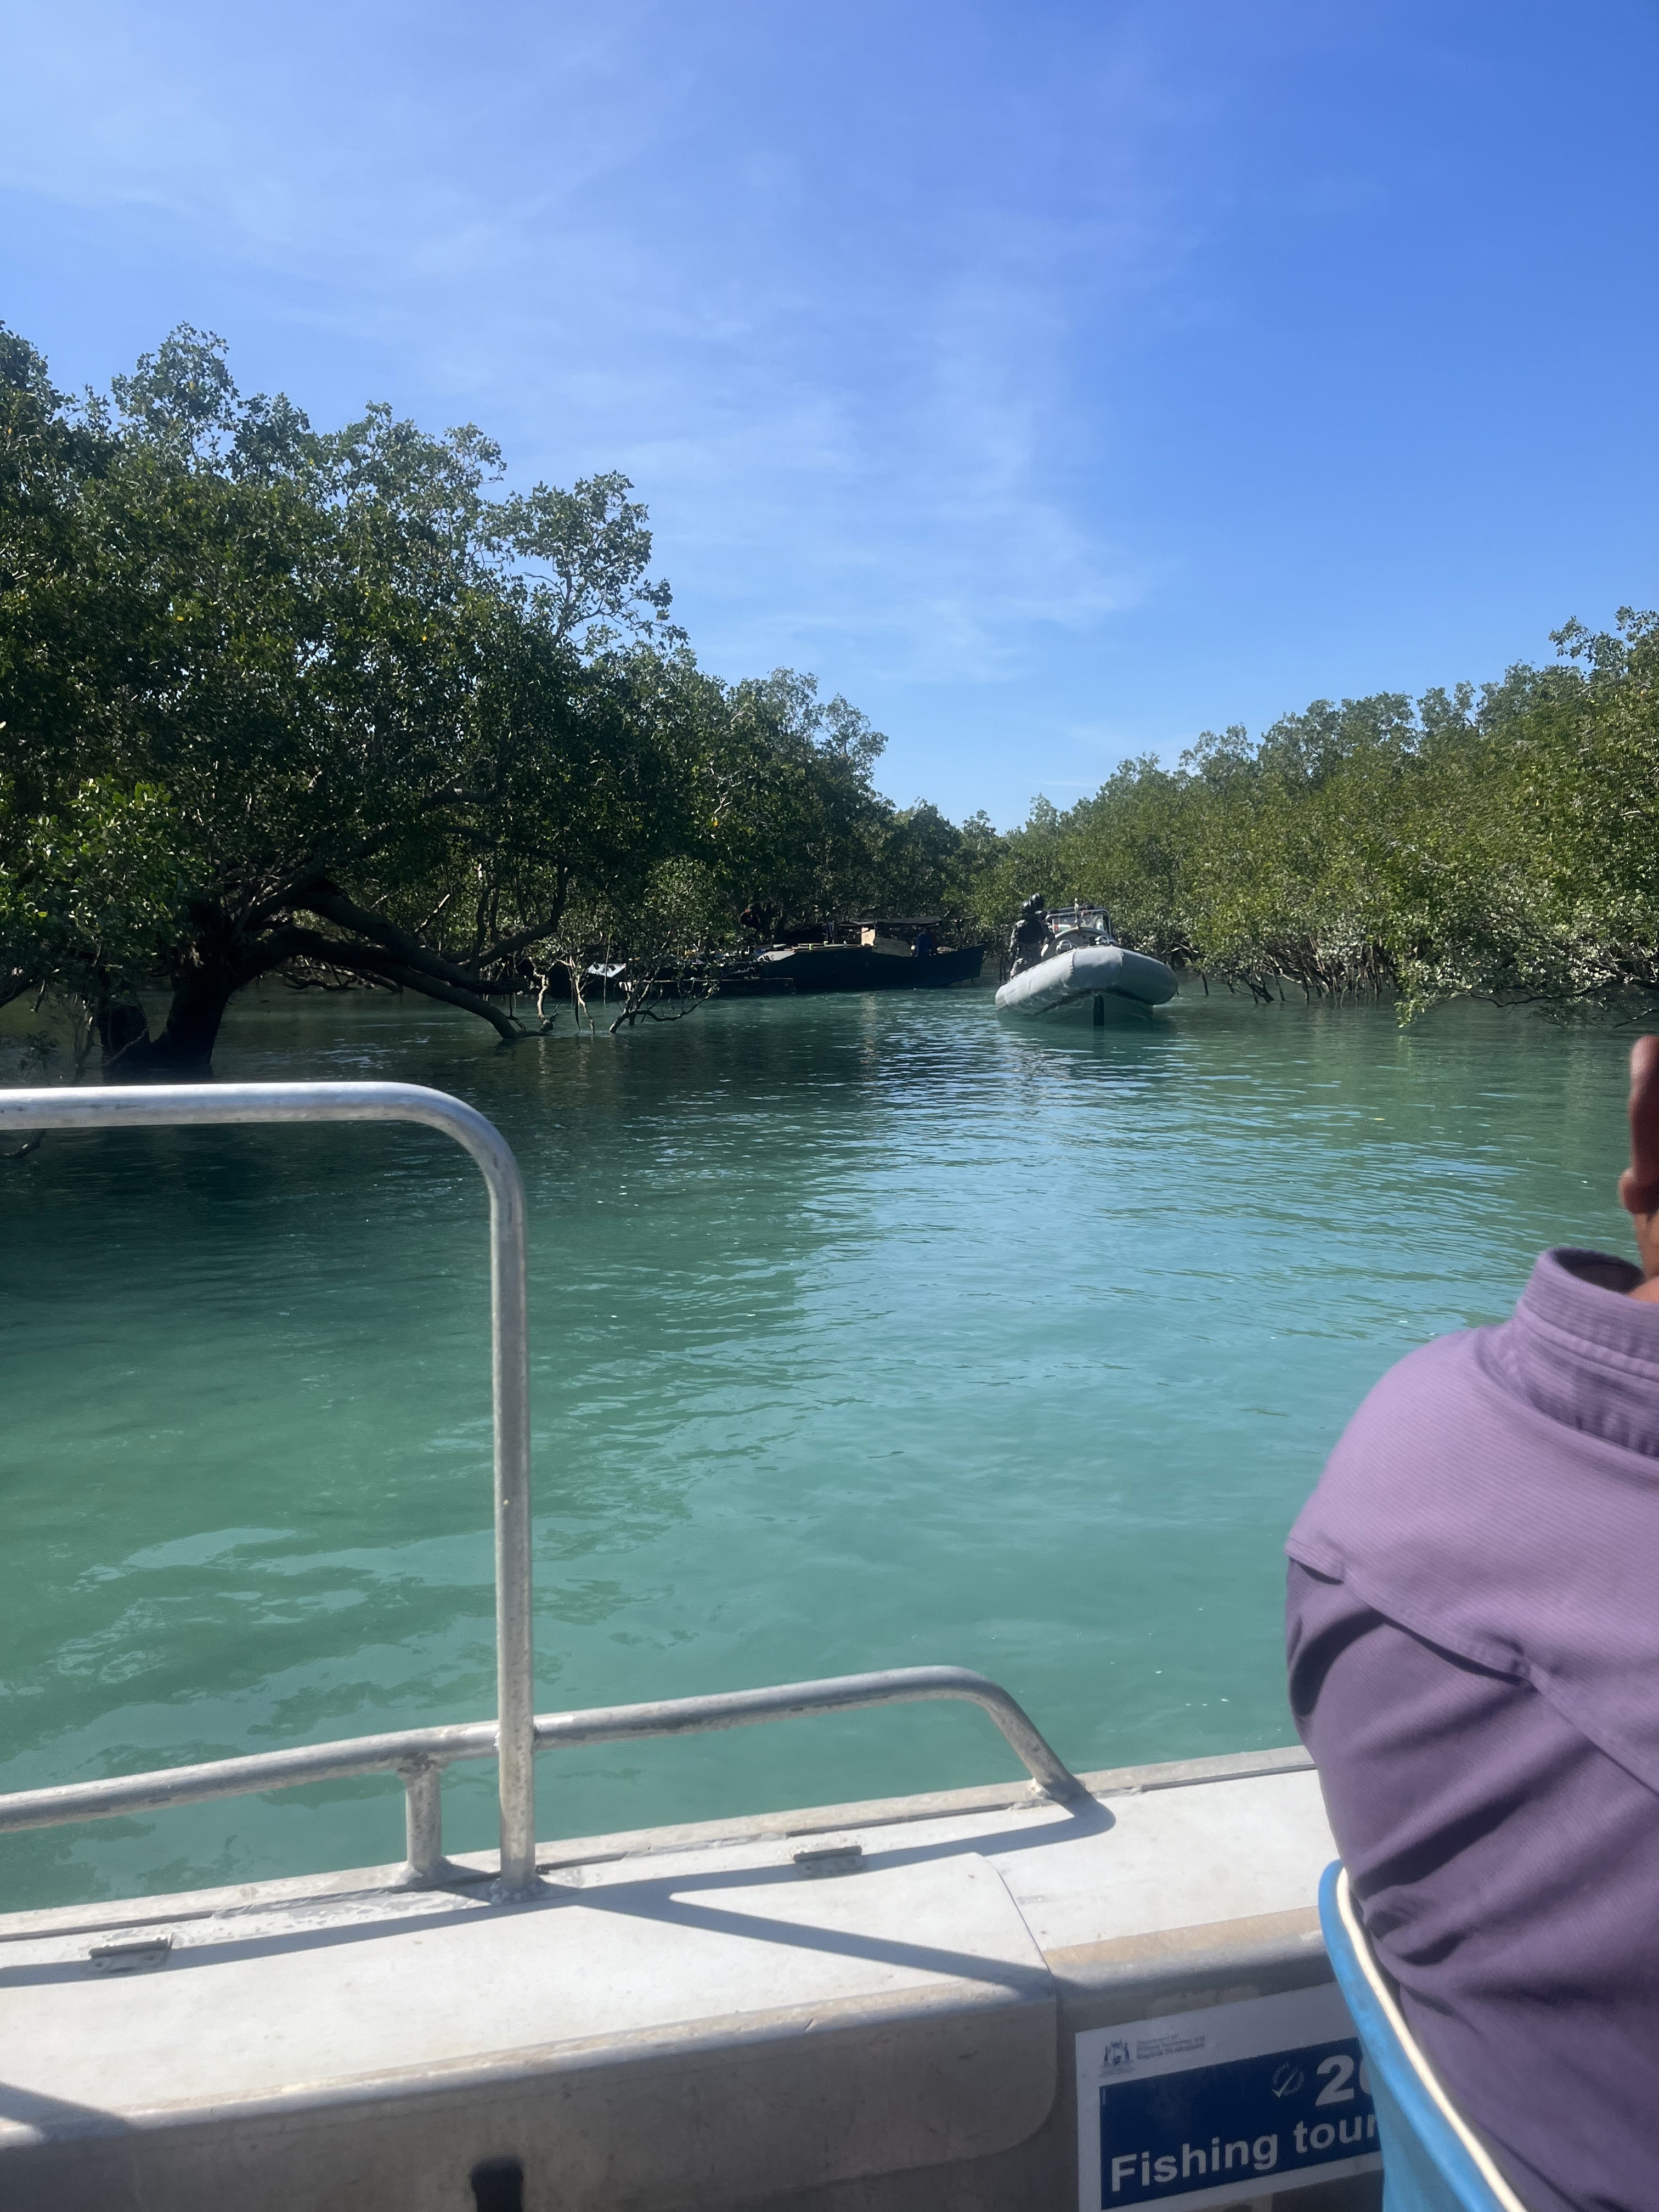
[1432, 2160]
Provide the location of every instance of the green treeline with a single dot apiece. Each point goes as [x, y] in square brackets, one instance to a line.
[1505, 846]
[332, 707]
[328, 707]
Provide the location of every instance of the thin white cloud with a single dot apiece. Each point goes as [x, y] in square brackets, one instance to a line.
[860, 440]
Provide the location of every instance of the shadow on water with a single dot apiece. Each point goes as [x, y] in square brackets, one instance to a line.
[866, 1332]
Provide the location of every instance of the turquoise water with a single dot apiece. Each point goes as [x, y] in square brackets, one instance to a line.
[868, 1332]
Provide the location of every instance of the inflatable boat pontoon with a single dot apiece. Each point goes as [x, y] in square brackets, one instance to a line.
[1085, 965]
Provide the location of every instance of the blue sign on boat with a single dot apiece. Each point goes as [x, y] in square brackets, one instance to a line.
[1236, 2101]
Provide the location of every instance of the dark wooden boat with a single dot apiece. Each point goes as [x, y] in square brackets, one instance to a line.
[848, 967]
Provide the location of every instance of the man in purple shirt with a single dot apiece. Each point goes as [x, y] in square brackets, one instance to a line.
[1473, 1628]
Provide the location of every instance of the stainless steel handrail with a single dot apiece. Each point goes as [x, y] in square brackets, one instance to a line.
[194, 1105]
[892, 1686]
[420, 1755]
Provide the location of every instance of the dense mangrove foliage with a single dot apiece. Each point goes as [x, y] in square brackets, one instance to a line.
[334, 708]
[1505, 846]
[328, 708]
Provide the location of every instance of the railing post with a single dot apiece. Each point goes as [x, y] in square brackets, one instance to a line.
[186, 1105]
[423, 1823]
[515, 1665]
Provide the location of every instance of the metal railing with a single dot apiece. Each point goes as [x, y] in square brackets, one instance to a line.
[419, 1756]
[197, 1105]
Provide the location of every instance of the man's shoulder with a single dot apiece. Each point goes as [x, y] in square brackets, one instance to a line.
[1445, 1379]
[1401, 1510]
[1414, 1418]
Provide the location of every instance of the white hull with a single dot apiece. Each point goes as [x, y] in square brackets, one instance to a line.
[876, 2005]
[1074, 979]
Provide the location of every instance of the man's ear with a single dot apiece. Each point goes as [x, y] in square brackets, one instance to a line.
[1638, 1186]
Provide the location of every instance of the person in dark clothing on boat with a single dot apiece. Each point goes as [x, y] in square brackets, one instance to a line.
[1029, 939]
[1473, 1633]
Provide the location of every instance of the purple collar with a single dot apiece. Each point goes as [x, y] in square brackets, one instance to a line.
[1581, 1350]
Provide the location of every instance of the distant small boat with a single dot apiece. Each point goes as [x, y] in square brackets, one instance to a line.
[1085, 965]
[853, 968]
[863, 956]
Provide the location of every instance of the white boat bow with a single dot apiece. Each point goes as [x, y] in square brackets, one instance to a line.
[1087, 971]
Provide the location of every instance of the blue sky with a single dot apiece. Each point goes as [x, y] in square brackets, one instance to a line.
[1056, 380]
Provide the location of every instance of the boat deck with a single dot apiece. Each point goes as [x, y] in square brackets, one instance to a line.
[867, 2006]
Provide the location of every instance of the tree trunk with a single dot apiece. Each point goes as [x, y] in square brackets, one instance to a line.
[221, 962]
[184, 1051]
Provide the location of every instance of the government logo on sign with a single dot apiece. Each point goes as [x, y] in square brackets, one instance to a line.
[1193, 2112]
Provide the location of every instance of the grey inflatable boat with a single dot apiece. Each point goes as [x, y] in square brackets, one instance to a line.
[1085, 965]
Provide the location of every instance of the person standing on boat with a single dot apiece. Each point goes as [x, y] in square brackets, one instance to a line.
[1030, 941]
[1472, 1632]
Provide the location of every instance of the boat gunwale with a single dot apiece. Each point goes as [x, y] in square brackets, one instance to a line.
[479, 1868]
